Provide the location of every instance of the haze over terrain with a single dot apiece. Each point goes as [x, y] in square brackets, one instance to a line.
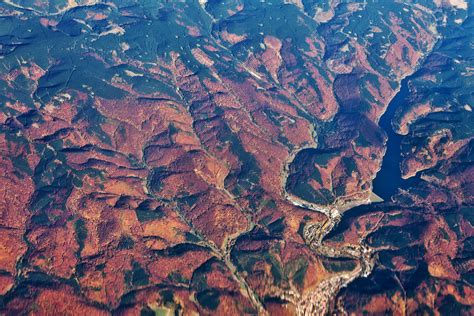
[292, 157]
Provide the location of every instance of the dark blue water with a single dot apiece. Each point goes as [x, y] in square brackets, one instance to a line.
[388, 179]
[458, 42]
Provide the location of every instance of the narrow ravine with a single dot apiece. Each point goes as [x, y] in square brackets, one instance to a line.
[319, 300]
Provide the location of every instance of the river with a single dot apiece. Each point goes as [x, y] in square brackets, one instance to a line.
[389, 178]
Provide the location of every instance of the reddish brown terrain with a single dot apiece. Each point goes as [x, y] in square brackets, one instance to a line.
[185, 158]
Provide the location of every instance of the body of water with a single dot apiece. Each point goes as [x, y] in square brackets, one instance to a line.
[389, 179]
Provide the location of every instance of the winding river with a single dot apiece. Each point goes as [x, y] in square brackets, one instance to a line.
[387, 183]
[389, 178]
